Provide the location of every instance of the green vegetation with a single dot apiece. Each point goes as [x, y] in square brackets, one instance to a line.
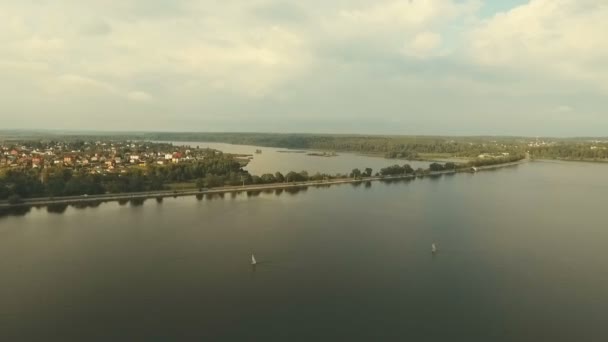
[569, 150]
[490, 161]
[206, 168]
[216, 169]
[397, 170]
[403, 147]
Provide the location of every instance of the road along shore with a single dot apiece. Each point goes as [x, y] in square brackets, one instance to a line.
[227, 189]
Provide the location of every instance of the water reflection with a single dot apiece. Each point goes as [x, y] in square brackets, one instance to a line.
[254, 193]
[435, 177]
[60, 208]
[137, 202]
[208, 196]
[84, 205]
[253, 271]
[295, 190]
[56, 269]
[396, 180]
[57, 208]
[14, 211]
[272, 160]
[321, 186]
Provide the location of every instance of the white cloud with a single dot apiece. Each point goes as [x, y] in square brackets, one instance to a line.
[96, 27]
[424, 44]
[404, 15]
[563, 109]
[73, 84]
[561, 38]
[139, 96]
[269, 62]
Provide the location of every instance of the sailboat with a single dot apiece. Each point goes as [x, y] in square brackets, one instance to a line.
[253, 262]
[433, 248]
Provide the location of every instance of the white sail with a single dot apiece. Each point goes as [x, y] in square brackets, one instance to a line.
[433, 248]
[253, 262]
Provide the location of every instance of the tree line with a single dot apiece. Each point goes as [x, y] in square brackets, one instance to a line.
[572, 151]
[404, 147]
[216, 170]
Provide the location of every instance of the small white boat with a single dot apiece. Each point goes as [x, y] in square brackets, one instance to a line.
[253, 262]
[433, 248]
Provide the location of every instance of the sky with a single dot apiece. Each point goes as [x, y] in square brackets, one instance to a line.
[445, 67]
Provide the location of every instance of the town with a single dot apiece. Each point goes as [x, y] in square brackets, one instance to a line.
[98, 157]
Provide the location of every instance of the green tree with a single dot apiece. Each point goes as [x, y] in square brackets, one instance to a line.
[368, 172]
[268, 178]
[4, 192]
[279, 177]
[408, 169]
[292, 177]
[355, 173]
[392, 170]
[15, 199]
[436, 167]
[212, 181]
[317, 177]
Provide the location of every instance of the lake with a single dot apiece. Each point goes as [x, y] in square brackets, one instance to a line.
[284, 160]
[522, 257]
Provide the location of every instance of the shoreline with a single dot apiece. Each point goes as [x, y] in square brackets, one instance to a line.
[590, 161]
[45, 201]
[288, 150]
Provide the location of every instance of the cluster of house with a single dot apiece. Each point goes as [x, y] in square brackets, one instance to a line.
[98, 156]
[540, 143]
[493, 155]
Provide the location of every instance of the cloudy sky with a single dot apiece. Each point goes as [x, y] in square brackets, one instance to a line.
[515, 67]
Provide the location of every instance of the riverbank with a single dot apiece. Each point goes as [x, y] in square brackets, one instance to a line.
[583, 160]
[228, 189]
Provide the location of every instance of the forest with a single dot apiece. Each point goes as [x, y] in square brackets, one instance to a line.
[590, 151]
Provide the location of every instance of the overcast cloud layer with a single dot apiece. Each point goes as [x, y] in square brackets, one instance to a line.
[516, 67]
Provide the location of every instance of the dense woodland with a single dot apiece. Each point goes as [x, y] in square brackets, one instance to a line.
[591, 151]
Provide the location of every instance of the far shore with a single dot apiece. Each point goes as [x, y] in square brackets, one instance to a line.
[594, 161]
[30, 202]
[423, 157]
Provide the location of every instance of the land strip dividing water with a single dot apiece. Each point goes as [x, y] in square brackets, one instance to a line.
[43, 201]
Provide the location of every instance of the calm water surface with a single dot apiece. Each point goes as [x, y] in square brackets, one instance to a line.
[522, 258]
[272, 159]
